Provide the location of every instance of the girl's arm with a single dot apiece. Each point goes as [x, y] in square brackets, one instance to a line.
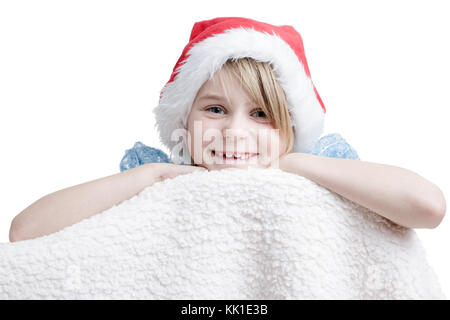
[68, 206]
[395, 193]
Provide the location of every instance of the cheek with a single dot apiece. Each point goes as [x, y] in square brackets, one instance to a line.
[269, 142]
[275, 148]
[210, 131]
[198, 133]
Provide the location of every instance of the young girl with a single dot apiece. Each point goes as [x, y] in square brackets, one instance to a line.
[241, 95]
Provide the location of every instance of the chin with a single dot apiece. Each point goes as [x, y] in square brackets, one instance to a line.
[217, 166]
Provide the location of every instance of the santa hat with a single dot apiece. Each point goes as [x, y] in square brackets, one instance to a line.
[211, 44]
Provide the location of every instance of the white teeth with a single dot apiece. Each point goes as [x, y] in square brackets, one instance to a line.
[232, 156]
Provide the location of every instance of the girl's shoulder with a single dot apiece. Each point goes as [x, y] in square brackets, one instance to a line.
[140, 154]
[333, 145]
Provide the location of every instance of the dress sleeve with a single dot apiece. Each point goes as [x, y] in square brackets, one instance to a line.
[140, 154]
[334, 146]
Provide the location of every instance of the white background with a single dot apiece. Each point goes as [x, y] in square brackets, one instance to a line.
[78, 81]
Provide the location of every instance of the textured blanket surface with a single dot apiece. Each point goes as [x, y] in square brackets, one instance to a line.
[228, 234]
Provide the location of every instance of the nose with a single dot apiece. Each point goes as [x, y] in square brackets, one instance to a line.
[236, 128]
[235, 133]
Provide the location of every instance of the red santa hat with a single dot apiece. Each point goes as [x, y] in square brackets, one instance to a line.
[211, 44]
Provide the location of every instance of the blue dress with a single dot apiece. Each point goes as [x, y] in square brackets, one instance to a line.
[331, 145]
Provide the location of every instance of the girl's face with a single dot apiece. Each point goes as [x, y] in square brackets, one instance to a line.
[223, 120]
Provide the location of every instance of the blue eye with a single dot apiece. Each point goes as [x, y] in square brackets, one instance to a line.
[261, 113]
[215, 108]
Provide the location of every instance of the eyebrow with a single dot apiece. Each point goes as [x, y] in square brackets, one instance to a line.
[211, 96]
[218, 97]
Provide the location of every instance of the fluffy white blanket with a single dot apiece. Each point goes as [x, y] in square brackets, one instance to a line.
[229, 234]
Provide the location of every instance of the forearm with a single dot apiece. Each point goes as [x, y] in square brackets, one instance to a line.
[68, 206]
[397, 194]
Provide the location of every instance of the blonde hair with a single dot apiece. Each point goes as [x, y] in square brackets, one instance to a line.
[260, 82]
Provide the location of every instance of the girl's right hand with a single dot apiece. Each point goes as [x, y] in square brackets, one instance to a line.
[169, 170]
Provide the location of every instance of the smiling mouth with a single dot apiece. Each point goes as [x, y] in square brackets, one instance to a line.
[234, 157]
